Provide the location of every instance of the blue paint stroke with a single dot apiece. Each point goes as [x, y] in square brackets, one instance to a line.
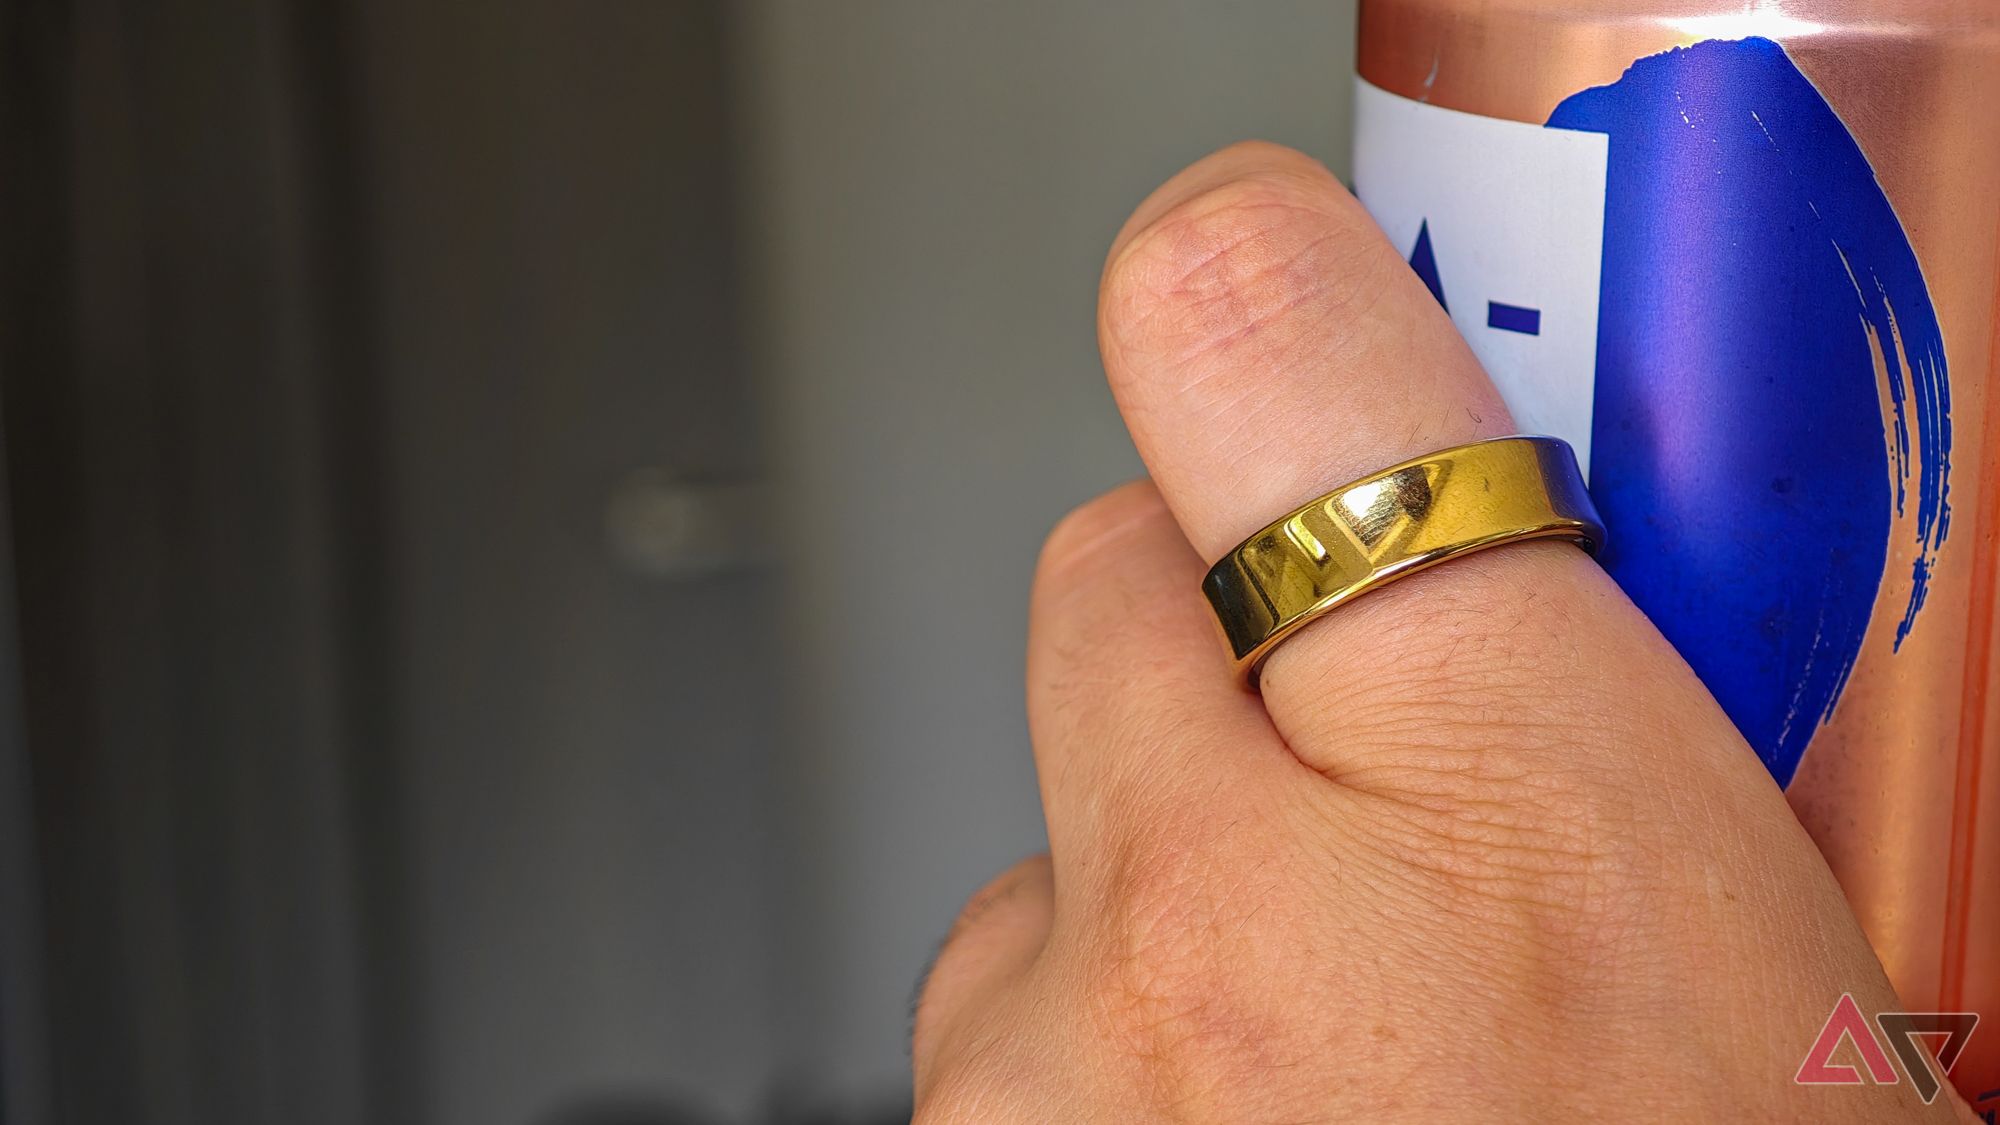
[1514, 318]
[1755, 275]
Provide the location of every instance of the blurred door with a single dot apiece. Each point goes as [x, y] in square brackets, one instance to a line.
[397, 755]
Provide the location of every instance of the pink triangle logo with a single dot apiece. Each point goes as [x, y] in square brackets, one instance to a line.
[1847, 1022]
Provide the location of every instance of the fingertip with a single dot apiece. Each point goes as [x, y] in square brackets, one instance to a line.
[1239, 162]
[1265, 342]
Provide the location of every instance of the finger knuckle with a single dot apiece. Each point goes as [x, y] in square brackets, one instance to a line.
[1540, 860]
[1177, 978]
[1486, 755]
[999, 890]
[1093, 530]
[1488, 680]
[1251, 264]
[965, 1093]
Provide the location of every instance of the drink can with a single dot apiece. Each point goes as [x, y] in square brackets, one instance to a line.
[1745, 257]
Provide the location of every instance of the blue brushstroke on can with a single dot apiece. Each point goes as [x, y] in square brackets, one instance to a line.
[1755, 276]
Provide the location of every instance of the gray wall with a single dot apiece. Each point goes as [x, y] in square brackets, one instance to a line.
[933, 190]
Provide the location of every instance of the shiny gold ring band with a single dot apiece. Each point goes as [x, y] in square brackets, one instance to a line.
[1392, 523]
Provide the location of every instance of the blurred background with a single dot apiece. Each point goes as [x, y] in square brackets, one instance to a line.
[521, 516]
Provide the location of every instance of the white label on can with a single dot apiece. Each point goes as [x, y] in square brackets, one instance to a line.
[1510, 218]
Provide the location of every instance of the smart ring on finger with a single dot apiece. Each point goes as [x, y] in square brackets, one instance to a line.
[1392, 523]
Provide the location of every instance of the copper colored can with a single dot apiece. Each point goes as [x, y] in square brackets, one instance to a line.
[1746, 257]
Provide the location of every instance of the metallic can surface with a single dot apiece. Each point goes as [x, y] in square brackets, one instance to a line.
[1747, 257]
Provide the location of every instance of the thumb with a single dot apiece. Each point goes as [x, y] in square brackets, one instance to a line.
[1266, 344]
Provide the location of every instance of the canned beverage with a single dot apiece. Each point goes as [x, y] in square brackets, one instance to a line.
[1746, 258]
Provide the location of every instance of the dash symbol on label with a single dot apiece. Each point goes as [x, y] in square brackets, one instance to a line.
[1513, 318]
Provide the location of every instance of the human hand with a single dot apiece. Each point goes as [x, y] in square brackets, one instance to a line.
[1483, 849]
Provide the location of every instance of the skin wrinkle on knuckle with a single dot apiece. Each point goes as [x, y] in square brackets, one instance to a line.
[1462, 676]
[1475, 763]
[1434, 733]
[1522, 788]
[1502, 955]
[1466, 737]
[1558, 904]
[1177, 976]
[1551, 874]
[1467, 640]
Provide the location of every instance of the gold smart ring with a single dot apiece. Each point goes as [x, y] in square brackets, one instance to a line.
[1392, 523]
